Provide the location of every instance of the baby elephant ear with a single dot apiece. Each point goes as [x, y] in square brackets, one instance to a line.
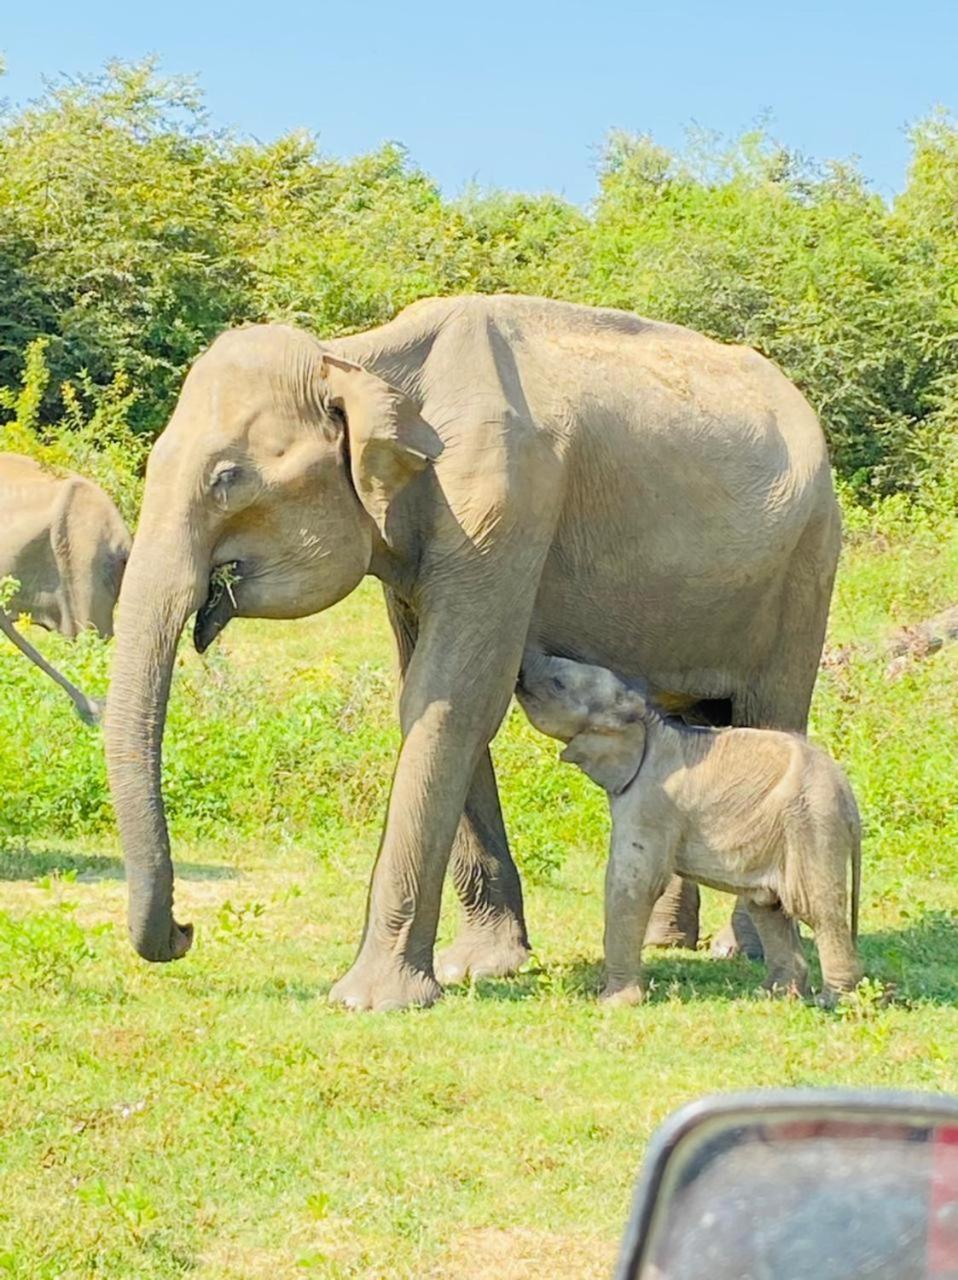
[389, 442]
[611, 757]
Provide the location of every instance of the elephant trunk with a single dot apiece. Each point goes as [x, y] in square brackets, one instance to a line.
[162, 587]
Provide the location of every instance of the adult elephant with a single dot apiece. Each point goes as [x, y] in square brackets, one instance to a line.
[65, 544]
[511, 469]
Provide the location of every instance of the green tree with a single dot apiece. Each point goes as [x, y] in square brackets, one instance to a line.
[131, 232]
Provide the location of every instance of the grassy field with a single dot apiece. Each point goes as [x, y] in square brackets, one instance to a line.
[216, 1119]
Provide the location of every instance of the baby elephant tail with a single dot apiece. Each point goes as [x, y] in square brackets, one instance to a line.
[855, 831]
[856, 883]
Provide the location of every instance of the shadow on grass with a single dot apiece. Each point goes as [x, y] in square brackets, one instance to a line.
[685, 975]
[22, 863]
[917, 963]
[920, 960]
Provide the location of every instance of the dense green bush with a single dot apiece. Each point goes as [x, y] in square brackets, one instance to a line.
[291, 732]
[93, 435]
[131, 232]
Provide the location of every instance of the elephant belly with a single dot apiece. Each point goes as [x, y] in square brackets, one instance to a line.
[690, 483]
[738, 869]
[686, 633]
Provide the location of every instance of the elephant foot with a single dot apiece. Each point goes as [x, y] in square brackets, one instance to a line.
[385, 987]
[622, 994]
[792, 981]
[738, 938]
[793, 990]
[492, 951]
[725, 945]
[675, 917]
[664, 935]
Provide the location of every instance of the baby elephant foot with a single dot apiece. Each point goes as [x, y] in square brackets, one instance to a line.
[382, 987]
[785, 990]
[492, 951]
[622, 994]
[787, 982]
[832, 997]
[834, 992]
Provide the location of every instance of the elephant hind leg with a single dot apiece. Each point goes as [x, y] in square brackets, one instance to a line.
[492, 941]
[781, 696]
[740, 936]
[784, 958]
[675, 916]
[823, 902]
[780, 702]
[841, 967]
[778, 698]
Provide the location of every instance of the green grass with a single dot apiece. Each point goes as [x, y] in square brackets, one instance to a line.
[216, 1119]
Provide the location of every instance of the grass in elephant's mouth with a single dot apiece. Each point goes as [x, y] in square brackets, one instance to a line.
[215, 1118]
[222, 581]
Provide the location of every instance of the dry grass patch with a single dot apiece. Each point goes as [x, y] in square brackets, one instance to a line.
[489, 1253]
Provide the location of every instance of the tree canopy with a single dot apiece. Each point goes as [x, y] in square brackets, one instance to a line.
[132, 231]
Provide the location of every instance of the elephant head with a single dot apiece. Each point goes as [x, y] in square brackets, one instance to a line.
[266, 496]
[600, 717]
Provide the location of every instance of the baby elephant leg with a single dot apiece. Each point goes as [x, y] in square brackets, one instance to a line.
[633, 882]
[784, 959]
[828, 918]
[825, 910]
[841, 968]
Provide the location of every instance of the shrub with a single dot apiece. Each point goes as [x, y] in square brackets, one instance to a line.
[131, 232]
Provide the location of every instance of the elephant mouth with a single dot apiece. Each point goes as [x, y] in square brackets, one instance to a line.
[219, 607]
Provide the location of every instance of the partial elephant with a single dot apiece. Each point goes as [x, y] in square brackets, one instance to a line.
[513, 471]
[65, 544]
[756, 812]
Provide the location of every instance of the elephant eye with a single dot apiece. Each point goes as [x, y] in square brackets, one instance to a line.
[225, 474]
[224, 478]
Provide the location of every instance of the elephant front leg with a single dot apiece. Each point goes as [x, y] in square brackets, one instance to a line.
[492, 941]
[634, 880]
[786, 967]
[394, 967]
[456, 691]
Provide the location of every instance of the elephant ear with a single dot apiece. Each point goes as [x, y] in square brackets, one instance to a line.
[389, 442]
[610, 757]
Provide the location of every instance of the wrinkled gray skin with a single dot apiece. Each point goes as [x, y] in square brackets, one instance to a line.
[511, 469]
[66, 544]
[754, 812]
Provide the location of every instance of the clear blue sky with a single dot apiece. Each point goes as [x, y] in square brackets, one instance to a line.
[520, 95]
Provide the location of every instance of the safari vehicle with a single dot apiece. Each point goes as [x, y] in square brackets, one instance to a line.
[799, 1185]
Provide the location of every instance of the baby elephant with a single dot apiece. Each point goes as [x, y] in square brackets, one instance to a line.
[753, 812]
